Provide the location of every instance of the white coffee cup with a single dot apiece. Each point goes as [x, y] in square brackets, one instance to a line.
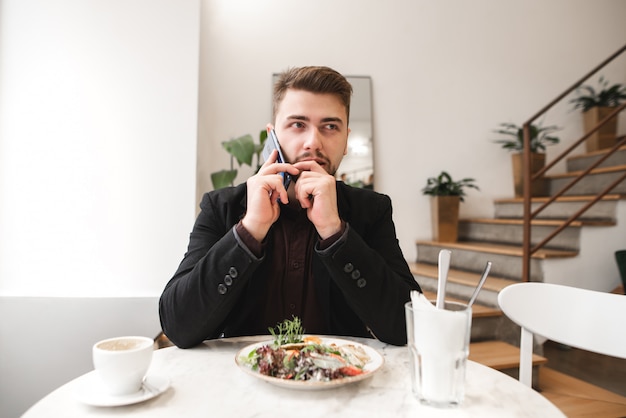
[122, 363]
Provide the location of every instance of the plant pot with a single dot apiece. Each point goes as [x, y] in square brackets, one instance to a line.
[444, 212]
[539, 187]
[606, 136]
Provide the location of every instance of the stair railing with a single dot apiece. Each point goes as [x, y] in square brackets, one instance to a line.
[527, 249]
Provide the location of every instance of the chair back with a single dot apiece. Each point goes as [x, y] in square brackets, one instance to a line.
[581, 318]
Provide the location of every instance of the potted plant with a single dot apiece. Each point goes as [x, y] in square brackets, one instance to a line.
[597, 105]
[446, 195]
[540, 138]
[242, 149]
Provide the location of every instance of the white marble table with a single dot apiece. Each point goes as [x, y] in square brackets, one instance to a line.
[206, 382]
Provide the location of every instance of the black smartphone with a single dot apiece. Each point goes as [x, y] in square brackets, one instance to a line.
[271, 143]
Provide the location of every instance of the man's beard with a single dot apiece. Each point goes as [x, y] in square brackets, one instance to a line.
[330, 169]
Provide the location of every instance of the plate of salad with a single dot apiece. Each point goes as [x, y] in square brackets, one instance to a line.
[308, 362]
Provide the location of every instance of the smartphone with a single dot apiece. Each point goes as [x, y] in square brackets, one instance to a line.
[271, 143]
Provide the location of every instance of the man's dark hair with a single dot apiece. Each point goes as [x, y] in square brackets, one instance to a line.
[322, 80]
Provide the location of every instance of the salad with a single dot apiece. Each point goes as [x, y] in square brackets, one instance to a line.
[295, 357]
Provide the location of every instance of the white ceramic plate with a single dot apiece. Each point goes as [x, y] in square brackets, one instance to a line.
[90, 391]
[372, 366]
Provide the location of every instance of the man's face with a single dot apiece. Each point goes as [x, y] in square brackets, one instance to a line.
[312, 126]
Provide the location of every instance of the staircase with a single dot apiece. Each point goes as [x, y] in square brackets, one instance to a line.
[499, 239]
[547, 246]
[495, 339]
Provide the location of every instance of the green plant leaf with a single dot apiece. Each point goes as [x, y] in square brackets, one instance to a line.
[241, 148]
[223, 178]
[258, 149]
[539, 137]
[606, 95]
[443, 185]
[262, 136]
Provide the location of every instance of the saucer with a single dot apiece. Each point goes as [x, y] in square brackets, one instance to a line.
[89, 390]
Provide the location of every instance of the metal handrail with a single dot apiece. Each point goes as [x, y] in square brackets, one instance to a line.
[527, 250]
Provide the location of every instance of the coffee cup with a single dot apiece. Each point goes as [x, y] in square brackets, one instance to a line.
[122, 363]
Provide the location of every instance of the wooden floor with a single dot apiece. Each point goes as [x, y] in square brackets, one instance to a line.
[596, 384]
[577, 398]
[604, 371]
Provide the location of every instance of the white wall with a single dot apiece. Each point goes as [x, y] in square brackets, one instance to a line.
[98, 131]
[444, 75]
[597, 268]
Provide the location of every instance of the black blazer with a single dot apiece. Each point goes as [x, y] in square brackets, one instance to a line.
[362, 281]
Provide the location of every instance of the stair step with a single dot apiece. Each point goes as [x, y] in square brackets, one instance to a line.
[511, 250]
[461, 284]
[473, 256]
[593, 183]
[462, 277]
[601, 170]
[499, 355]
[511, 232]
[539, 222]
[515, 221]
[583, 161]
[602, 213]
[580, 198]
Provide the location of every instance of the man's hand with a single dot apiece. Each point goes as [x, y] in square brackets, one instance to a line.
[265, 188]
[316, 191]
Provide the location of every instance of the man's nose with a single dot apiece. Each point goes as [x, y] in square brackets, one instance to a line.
[313, 140]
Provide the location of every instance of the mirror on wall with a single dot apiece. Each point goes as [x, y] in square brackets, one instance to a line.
[357, 167]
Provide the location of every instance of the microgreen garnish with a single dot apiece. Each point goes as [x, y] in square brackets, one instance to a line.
[287, 332]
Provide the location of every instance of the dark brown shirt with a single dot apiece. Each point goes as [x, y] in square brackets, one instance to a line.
[290, 289]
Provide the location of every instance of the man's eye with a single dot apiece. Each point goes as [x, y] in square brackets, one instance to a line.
[332, 127]
[298, 125]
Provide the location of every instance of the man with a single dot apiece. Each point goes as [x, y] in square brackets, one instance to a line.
[320, 250]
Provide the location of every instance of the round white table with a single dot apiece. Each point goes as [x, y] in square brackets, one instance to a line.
[206, 382]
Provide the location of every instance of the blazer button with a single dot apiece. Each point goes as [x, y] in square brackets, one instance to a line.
[222, 289]
[228, 281]
[355, 274]
[348, 268]
[361, 283]
[233, 272]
